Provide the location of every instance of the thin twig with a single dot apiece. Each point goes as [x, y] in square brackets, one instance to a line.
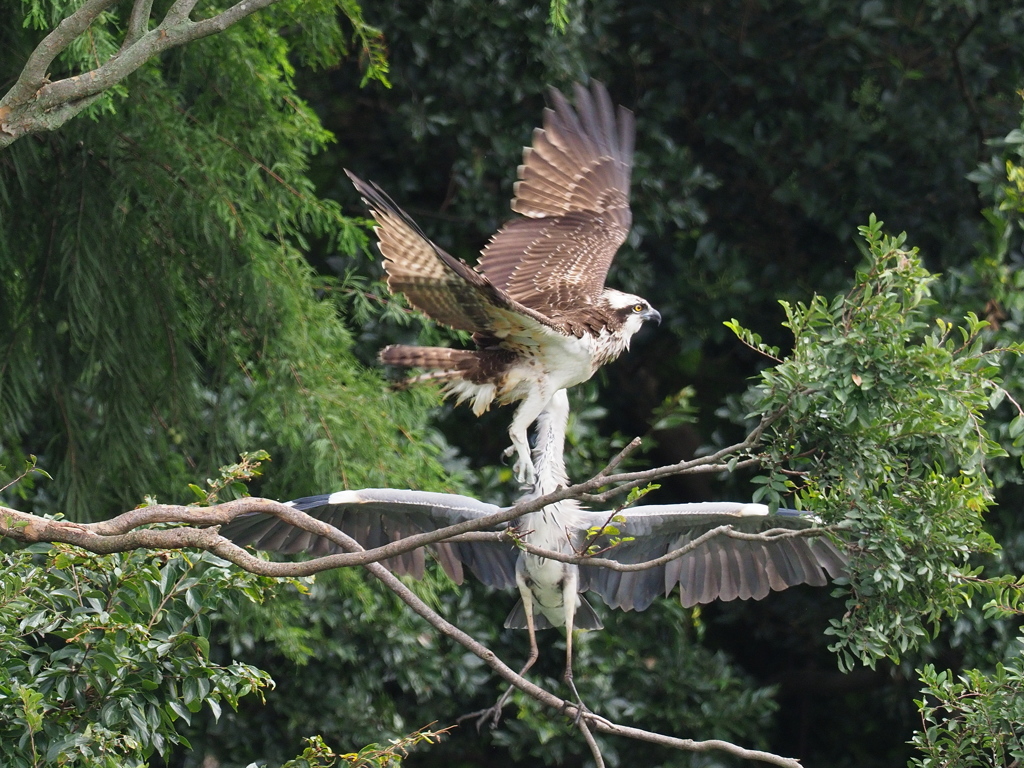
[595, 750]
[620, 457]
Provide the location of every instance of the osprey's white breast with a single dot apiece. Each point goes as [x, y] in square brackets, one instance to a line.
[557, 363]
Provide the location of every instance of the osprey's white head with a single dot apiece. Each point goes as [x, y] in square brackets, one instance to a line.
[632, 311]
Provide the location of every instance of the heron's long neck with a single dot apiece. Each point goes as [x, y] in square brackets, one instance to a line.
[549, 453]
[551, 524]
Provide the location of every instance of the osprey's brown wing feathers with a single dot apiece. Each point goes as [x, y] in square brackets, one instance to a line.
[435, 282]
[574, 190]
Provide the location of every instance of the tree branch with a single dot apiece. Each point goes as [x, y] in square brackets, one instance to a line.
[199, 531]
[721, 530]
[710, 463]
[121, 532]
[33, 75]
[35, 104]
[138, 23]
[114, 536]
[544, 696]
[111, 536]
[689, 745]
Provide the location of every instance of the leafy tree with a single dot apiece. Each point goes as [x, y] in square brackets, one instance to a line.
[159, 317]
[191, 329]
[106, 657]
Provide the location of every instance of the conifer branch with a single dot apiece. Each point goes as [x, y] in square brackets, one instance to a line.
[34, 75]
[138, 22]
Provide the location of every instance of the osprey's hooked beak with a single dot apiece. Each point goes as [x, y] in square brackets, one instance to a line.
[652, 314]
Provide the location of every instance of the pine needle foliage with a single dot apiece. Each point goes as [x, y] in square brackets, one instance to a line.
[157, 315]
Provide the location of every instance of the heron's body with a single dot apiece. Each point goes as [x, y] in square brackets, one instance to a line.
[722, 568]
[550, 586]
[551, 591]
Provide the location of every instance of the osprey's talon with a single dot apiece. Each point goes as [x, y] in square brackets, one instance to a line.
[524, 472]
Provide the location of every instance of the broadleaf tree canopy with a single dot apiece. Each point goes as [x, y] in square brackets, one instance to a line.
[184, 276]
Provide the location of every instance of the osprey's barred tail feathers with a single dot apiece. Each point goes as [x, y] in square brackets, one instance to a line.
[467, 374]
[441, 359]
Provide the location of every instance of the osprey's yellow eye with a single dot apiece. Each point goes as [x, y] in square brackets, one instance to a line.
[638, 307]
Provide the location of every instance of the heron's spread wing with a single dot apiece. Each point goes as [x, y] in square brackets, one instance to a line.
[435, 282]
[378, 516]
[722, 568]
[573, 189]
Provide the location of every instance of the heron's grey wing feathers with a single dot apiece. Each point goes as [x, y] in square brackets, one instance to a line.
[828, 557]
[516, 618]
[378, 516]
[723, 568]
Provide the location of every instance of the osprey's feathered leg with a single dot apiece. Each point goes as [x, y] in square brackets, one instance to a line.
[529, 409]
[522, 469]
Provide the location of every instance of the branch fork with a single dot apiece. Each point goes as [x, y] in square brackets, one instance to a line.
[35, 103]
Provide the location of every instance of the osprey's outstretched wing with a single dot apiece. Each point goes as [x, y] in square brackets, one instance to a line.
[377, 516]
[573, 189]
[438, 284]
[722, 568]
[540, 315]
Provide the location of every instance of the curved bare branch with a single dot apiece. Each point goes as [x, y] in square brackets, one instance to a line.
[122, 533]
[35, 104]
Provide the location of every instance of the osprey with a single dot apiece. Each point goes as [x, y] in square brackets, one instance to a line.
[541, 317]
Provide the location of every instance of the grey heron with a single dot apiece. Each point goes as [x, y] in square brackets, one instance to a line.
[551, 591]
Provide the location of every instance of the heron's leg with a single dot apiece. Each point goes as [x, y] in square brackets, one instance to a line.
[531, 628]
[527, 597]
[569, 596]
[494, 713]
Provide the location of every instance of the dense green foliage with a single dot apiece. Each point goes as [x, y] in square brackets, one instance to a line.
[885, 412]
[972, 719]
[157, 314]
[105, 658]
[180, 280]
